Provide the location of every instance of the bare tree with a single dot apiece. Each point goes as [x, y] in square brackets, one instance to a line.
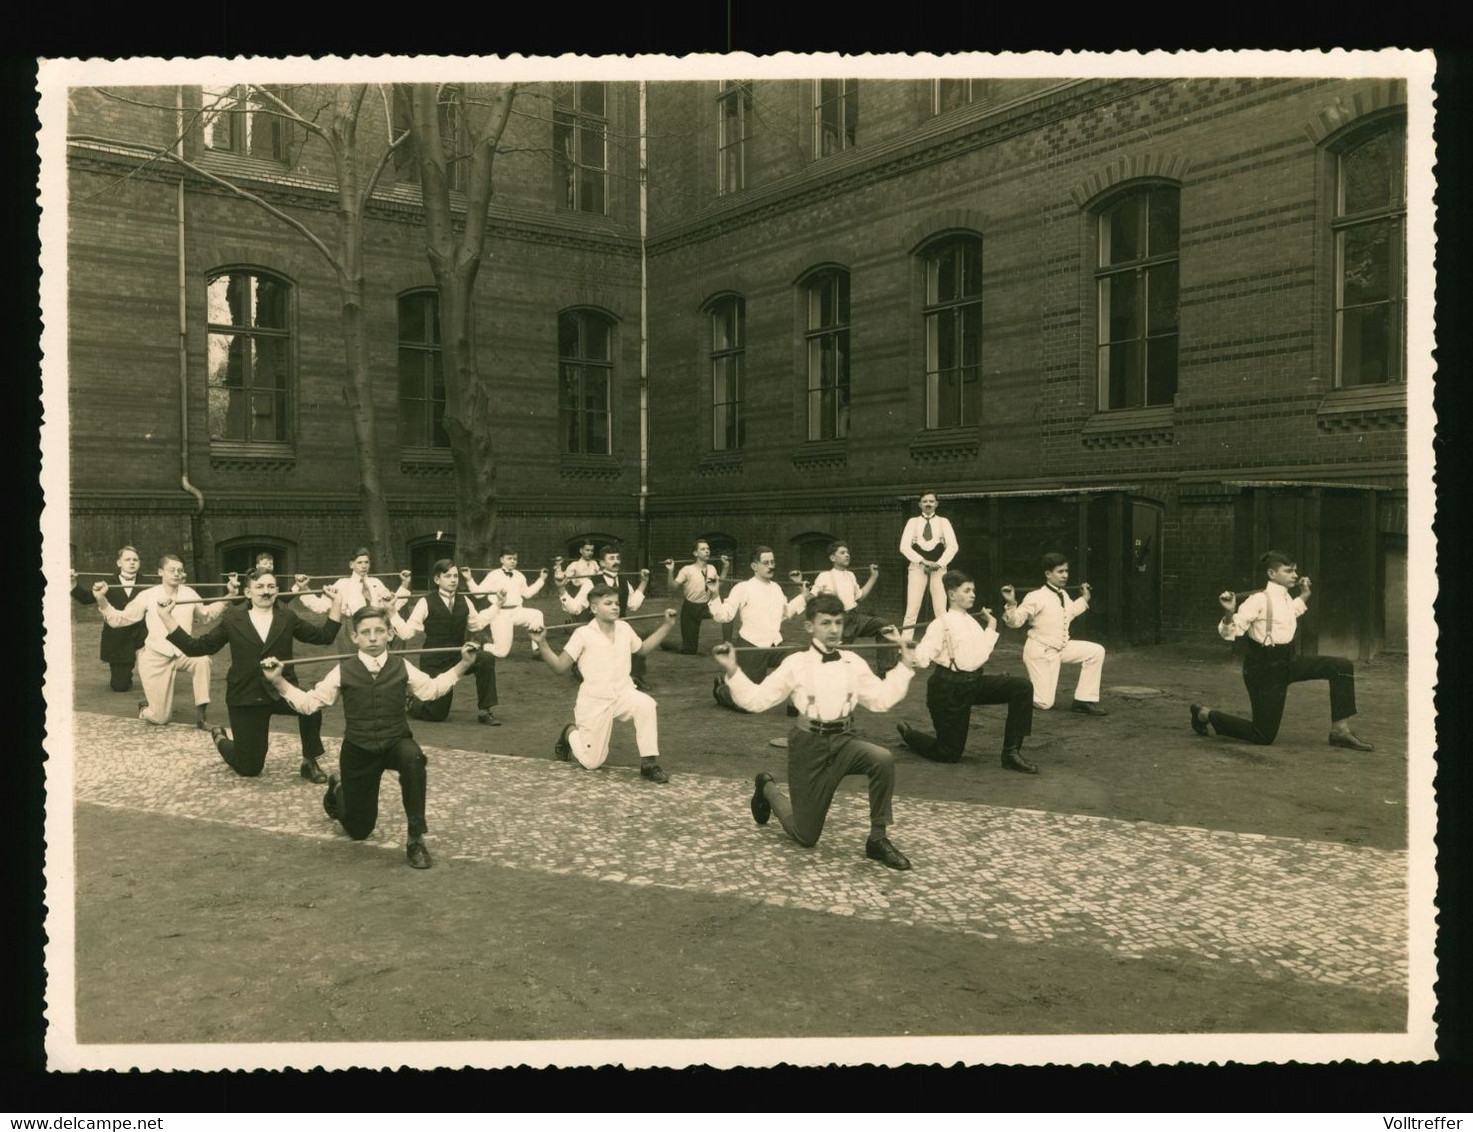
[455, 244]
[337, 114]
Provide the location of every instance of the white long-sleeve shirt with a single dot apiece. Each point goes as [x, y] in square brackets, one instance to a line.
[956, 640]
[825, 691]
[509, 585]
[406, 627]
[762, 609]
[941, 532]
[1269, 617]
[842, 584]
[578, 602]
[1047, 612]
[325, 693]
[145, 607]
[351, 590]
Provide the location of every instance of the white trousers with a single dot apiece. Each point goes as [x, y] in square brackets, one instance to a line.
[917, 583]
[156, 673]
[593, 725]
[505, 621]
[1043, 663]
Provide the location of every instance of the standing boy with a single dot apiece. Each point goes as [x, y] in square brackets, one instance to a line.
[955, 647]
[376, 735]
[118, 648]
[693, 583]
[1048, 613]
[447, 617]
[929, 544]
[510, 587]
[160, 661]
[356, 590]
[1267, 621]
[824, 684]
[840, 581]
[760, 603]
[604, 650]
[255, 629]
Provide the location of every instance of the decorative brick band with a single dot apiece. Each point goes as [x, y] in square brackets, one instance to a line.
[589, 468]
[945, 444]
[725, 464]
[821, 454]
[1376, 407]
[1343, 111]
[242, 463]
[1129, 428]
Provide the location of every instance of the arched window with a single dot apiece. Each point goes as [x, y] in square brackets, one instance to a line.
[585, 379]
[810, 553]
[728, 350]
[1136, 283]
[1370, 256]
[828, 353]
[421, 372]
[249, 357]
[237, 119]
[953, 316]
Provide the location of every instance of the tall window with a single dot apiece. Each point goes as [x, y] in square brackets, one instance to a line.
[237, 121]
[1370, 258]
[249, 357]
[580, 156]
[1137, 285]
[954, 332]
[585, 377]
[453, 140]
[835, 115]
[949, 94]
[421, 373]
[733, 107]
[728, 346]
[828, 354]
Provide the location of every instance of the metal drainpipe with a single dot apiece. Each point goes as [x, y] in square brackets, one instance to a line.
[644, 339]
[184, 484]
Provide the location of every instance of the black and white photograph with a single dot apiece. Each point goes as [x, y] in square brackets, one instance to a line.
[739, 560]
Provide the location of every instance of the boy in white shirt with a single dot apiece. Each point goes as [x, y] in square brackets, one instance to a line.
[955, 647]
[509, 585]
[840, 581]
[604, 650]
[1267, 621]
[692, 581]
[355, 590]
[824, 684]
[760, 603]
[1048, 613]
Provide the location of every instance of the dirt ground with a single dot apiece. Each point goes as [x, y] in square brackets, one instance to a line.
[190, 931]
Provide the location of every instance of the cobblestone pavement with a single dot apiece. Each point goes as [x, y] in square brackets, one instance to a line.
[1281, 907]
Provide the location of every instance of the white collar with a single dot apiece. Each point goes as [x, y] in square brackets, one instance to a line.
[373, 663]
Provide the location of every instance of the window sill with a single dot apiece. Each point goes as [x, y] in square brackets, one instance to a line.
[946, 443]
[241, 456]
[720, 464]
[425, 462]
[815, 454]
[579, 466]
[1129, 428]
[1363, 407]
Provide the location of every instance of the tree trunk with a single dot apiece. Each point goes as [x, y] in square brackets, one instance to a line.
[358, 393]
[468, 418]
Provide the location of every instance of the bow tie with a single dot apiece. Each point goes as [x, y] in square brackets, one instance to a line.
[827, 656]
[507, 572]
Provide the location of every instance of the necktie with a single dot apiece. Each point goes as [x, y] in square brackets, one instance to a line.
[827, 656]
[1062, 602]
[926, 533]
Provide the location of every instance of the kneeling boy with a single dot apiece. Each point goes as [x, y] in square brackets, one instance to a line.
[376, 735]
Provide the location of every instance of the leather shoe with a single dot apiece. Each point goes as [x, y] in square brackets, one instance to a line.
[419, 856]
[904, 730]
[642, 685]
[881, 850]
[311, 771]
[488, 717]
[330, 799]
[716, 689]
[1084, 707]
[217, 733]
[1012, 759]
[761, 807]
[653, 771]
[1350, 741]
[562, 750]
[1197, 725]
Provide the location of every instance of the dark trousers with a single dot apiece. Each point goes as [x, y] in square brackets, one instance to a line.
[816, 766]
[692, 613]
[754, 664]
[1267, 674]
[950, 696]
[361, 769]
[436, 711]
[858, 623]
[121, 677]
[250, 727]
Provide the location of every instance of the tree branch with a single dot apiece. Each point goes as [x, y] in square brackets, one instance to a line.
[378, 170]
[286, 111]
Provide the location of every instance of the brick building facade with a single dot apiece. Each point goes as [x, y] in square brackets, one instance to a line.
[1156, 324]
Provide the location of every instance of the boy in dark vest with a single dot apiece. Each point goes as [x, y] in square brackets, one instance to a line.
[119, 647]
[376, 735]
[447, 617]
